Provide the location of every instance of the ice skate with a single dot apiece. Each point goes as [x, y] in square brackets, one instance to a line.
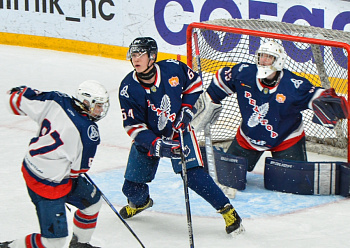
[233, 221]
[130, 210]
[75, 244]
[5, 244]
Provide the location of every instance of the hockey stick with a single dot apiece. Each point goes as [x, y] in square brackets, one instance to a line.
[113, 208]
[185, 182]
[229, 192]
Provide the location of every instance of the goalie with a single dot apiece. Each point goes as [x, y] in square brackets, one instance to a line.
[270, 99]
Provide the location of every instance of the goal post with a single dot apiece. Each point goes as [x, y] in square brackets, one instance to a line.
[318, 54]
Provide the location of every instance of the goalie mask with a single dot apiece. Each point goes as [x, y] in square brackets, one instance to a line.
[92, 99]
[273, 51]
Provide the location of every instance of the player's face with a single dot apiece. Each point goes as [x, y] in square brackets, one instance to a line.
[266, 59]
[140, 61]
[98, 109]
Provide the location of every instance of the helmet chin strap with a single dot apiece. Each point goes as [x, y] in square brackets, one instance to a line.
[147, 75]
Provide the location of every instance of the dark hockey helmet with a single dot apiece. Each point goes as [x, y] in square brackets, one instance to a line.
[143, 45]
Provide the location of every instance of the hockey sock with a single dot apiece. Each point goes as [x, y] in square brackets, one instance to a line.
[201, 183]
[137, 193]
[85, 222]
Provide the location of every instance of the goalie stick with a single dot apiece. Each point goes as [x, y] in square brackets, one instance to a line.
[114, 210]
[229, 192]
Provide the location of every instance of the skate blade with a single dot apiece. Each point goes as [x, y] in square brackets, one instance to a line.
[238, 231]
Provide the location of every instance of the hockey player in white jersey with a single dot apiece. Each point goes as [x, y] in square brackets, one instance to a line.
[63, 148]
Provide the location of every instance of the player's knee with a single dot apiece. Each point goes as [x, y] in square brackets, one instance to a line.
[93, 209]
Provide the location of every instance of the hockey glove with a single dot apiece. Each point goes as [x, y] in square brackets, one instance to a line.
[165, 148]
[207, 112]
[329, 108]
[183, 118]
[16, 89]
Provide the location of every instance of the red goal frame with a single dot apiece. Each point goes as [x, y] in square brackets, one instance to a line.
[207, 26]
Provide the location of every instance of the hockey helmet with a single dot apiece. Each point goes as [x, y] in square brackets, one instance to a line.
[93, 99]
[143, 45]
[274, 49]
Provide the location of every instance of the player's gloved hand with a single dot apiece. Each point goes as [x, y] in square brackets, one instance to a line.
[16, 89]
[165, 148]
[208, 112]
[183, 118]
[329, 108]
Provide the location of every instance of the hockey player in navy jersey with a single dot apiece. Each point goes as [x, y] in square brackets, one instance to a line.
[270, 100]
[157, 101]
[64, 148]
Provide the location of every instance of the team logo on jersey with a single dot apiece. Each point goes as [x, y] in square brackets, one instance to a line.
[280, 98]
[259, 113]
[297, 82]
[163, 112]
[153, 88]
[92, 133]
[124, 91]
[266, 91]
[242, 67]
[174, 81]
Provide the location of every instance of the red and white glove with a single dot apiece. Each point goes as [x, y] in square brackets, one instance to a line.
[329, 108]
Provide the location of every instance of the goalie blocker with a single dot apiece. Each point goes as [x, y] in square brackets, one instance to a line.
[307, 178]
[231, 171]
[329, 108]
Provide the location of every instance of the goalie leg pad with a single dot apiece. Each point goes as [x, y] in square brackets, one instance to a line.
[345, 180]
[304, 178]
[231, 170]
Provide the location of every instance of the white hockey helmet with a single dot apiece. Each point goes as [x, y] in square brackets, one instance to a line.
[277, 51]
[93, 99]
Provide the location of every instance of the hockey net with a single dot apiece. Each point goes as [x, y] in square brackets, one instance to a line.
[320, 55]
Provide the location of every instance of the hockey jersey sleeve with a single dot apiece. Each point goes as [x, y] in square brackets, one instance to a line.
[221, 84]
[134, 118]
[21, 102]
[192, 87]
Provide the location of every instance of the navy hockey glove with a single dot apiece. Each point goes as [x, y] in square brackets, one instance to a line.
[183, 118]
[16, 89]
[329, 108]
[165, 148]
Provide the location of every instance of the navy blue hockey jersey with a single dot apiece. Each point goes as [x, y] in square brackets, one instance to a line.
[149, 112]
[271, 117]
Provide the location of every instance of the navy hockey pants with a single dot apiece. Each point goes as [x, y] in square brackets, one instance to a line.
[296, 152]
[141, 169]
[52, 212]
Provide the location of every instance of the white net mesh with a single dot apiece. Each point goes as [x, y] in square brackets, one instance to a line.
[322, 63]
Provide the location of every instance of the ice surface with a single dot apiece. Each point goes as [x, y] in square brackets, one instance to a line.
[271, 219]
